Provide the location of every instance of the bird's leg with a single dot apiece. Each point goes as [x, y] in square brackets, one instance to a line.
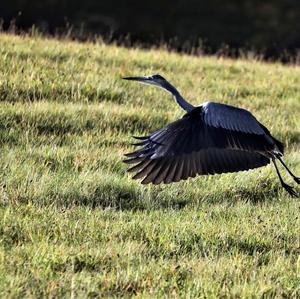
[287, 187]
[296, 179]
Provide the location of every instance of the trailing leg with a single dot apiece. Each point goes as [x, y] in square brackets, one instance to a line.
[296, 179]
[287, 187]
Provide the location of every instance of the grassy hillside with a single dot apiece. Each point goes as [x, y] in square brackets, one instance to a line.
[73, 223]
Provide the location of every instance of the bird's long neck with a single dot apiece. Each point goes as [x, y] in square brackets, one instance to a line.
[178, 97]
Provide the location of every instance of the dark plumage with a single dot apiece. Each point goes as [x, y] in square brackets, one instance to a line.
[209, 139]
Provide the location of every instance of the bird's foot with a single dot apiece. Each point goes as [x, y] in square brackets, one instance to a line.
[297, 180]
[290, 190]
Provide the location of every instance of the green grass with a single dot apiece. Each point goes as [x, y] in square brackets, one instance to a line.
[73, 223]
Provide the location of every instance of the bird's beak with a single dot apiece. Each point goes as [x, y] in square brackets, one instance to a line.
[140, 79]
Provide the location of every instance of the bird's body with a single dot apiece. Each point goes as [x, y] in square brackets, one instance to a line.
[212, 138]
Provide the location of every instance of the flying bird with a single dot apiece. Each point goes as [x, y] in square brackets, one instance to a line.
[212, 138]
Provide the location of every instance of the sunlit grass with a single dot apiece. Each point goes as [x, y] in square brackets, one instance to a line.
[73, 223]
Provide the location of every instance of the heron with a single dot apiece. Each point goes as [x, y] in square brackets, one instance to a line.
[212, 138]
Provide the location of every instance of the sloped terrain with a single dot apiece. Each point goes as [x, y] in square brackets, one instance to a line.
[72, 221]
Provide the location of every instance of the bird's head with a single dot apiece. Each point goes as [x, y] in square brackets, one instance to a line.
[156, 80]
[160, 81]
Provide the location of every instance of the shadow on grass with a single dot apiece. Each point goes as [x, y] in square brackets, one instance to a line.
[118, 196]
[264, 190]
[248, 194]
[218, 246]
[122, 195]
[248, 247]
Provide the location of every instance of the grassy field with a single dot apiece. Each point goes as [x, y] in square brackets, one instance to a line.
[73, 223]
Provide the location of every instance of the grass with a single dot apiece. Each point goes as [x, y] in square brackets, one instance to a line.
[73, 223]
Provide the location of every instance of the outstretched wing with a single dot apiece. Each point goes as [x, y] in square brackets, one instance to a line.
[235, 119]
[195, 145]
[231, 118]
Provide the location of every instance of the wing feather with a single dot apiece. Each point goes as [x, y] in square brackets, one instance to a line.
[151, 175]
[147, 169]
[201, 144]
[178, 172]
[231, 118]
[171, 172]
[162, 172]
[140, 165]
